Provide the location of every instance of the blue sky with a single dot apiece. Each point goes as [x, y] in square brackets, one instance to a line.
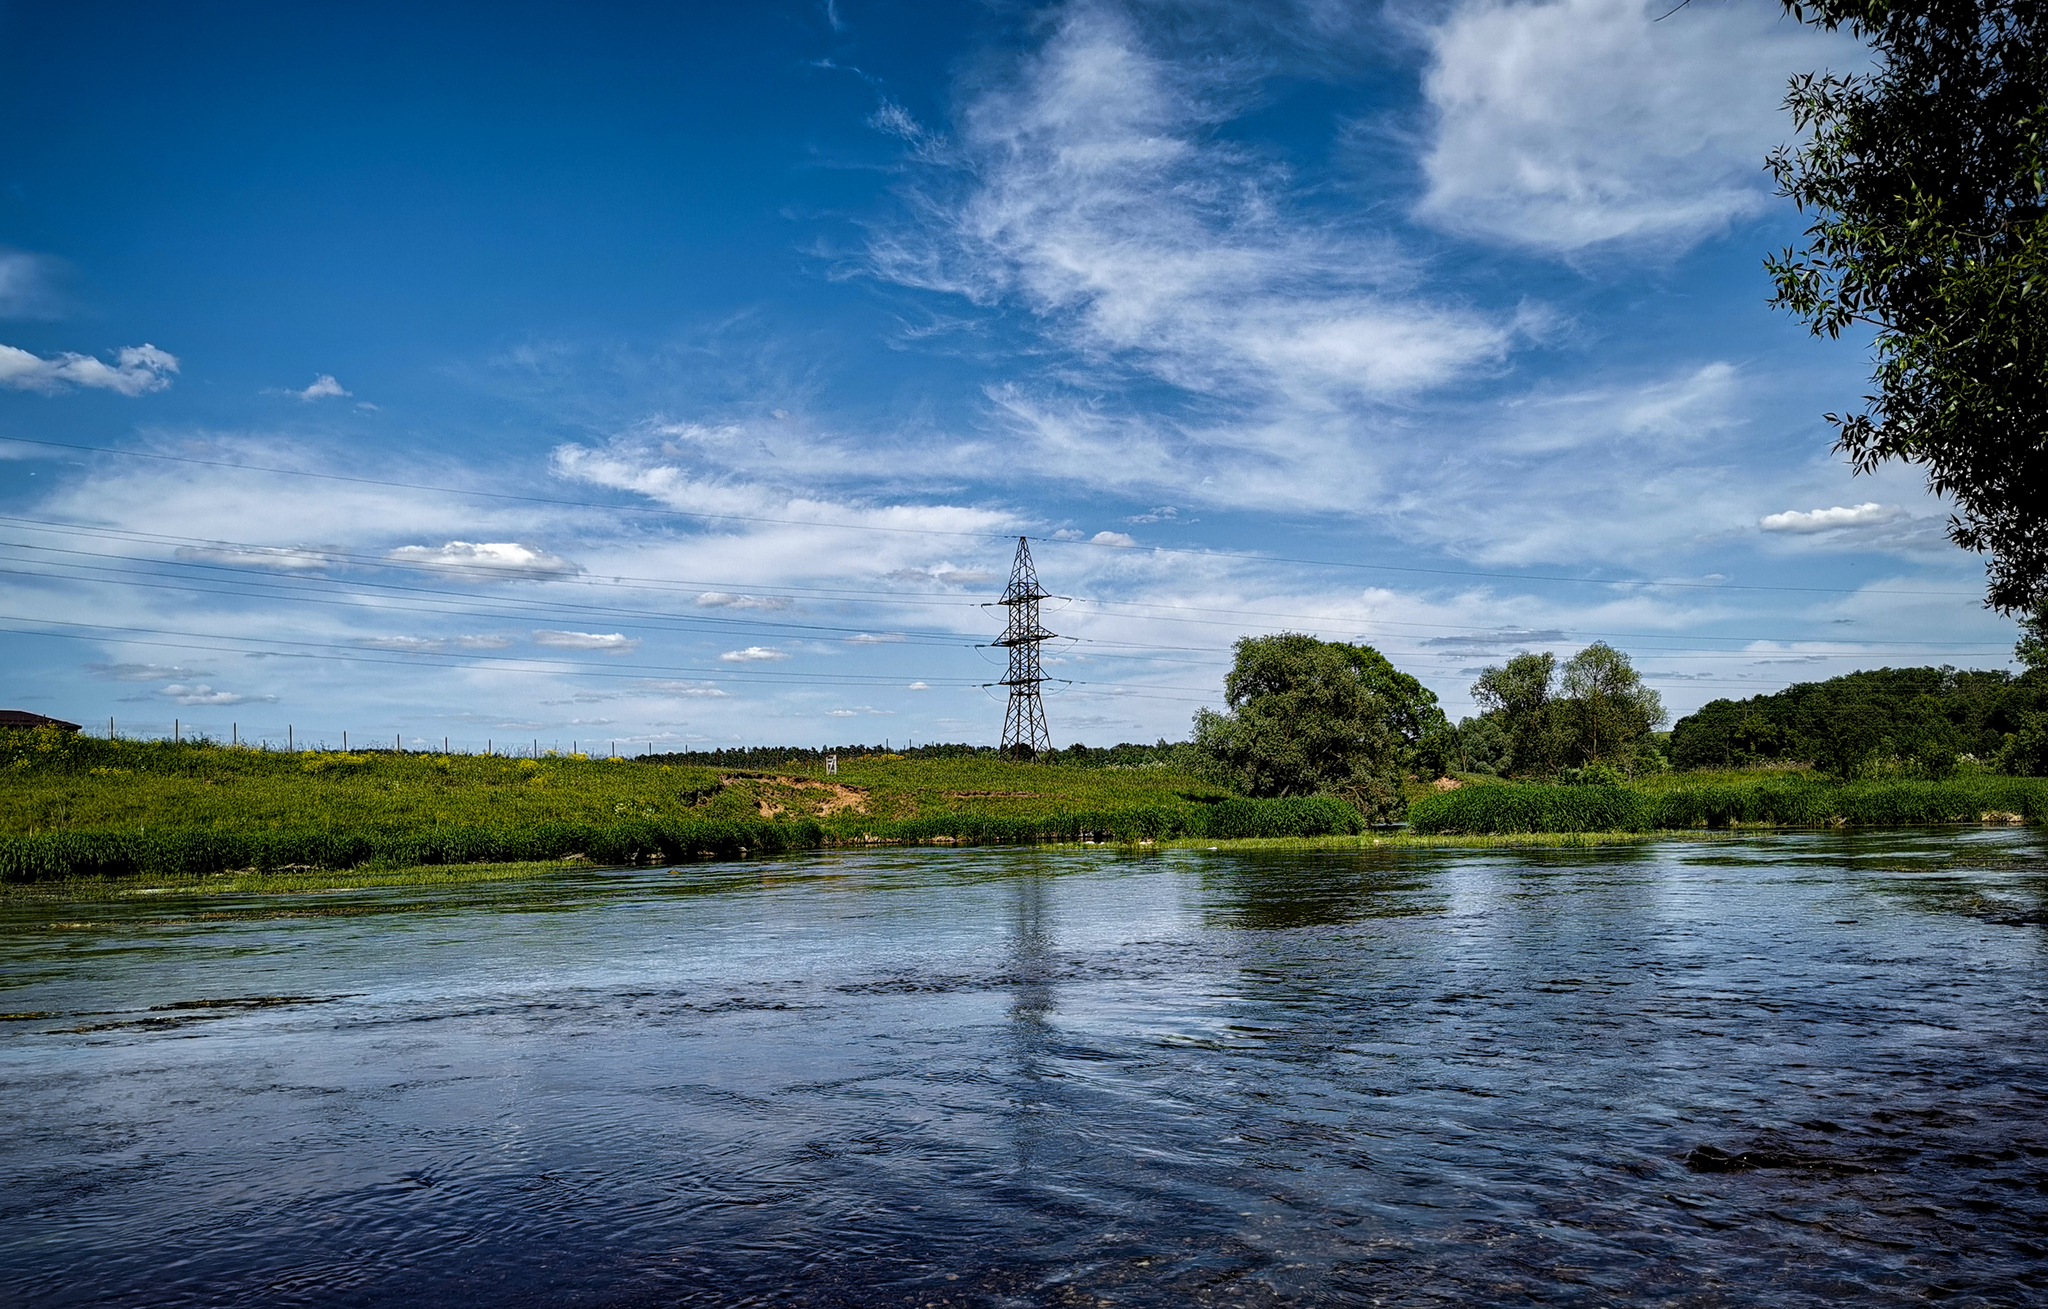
[682, 375]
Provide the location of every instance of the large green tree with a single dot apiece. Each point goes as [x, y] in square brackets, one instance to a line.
[1598, 711]
[1308, 716]
[1518, 695]
[1927, 180]
[1607, 711]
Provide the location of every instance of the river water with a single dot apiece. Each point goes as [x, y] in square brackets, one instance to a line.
[1793, 1069]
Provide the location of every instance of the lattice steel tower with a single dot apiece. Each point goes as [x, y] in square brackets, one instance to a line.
[1024, 731]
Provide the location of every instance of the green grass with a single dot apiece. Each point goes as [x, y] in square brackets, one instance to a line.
[73, 806]
[1766, 799]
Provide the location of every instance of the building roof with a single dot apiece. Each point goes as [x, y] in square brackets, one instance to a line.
[20, 718]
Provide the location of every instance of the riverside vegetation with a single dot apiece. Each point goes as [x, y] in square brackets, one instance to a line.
[1320, 741]
[74, 806]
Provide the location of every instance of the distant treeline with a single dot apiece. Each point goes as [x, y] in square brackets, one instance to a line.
[1916, 721]
[1125, 755]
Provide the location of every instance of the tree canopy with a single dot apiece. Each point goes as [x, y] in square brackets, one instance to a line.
[1308, 716]
[1927, 178]
[1598, 713]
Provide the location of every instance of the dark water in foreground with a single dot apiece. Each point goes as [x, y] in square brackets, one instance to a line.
[1052, 1078]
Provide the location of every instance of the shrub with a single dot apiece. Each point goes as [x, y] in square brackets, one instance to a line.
[1486, 809]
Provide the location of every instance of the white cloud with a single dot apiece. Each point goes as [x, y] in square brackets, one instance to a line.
[507, 558]
[1575, 123]
[436, 644]
[138, 369]
[608, 642]
[147, 672]
[1096, 189]
[291, 559]
[726, 600]
[918, 686]
[1119, 539]
[323, 386]
[688, 690]
[875, 638]
[753, 654]
[1869, 514]
[199, 693]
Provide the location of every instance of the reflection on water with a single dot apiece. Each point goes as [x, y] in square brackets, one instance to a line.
[1800, 1070]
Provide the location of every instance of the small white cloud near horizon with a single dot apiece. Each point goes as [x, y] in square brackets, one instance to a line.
[606, 642]
[1806, 522]
[727, 600]
[288, 558]
[919, 686]
[753, 654]
[1121, 540]
[323, 386]
[503, 557]
[692, 690]
[875, 638]
[148, 672]
[137, 369]
[436, 644]
[199, 693]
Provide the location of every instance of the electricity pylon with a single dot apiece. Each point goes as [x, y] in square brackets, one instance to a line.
[1024, 730]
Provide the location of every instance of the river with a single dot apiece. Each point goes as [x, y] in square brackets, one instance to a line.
[1800, 1069]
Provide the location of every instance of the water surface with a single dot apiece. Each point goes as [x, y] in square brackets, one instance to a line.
[1803, 1070]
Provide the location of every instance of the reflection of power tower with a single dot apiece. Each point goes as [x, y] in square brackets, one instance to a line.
[1024, 732]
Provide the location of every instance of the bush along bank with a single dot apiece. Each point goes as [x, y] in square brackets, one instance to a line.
[1501, 809]
[49, 856]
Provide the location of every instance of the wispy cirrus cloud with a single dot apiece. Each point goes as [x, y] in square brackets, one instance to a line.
[147, 672]
[136, 370]
[436, 644]
[28, 285]
[1570, 124]
[199, 693]
[1094, 187]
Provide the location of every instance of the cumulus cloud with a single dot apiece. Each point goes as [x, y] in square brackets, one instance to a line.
[137, 369]
[919, 686]
[875, 638]
[1805, 522]
[199, 693]
[753, 654]
[606, 642]
[726, 600]
[1575, 123]
[506, 558]
[1119, 539]
[323, 386]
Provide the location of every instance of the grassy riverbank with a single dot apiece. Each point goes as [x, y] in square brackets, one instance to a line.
[73, 806]
[1764, 799]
